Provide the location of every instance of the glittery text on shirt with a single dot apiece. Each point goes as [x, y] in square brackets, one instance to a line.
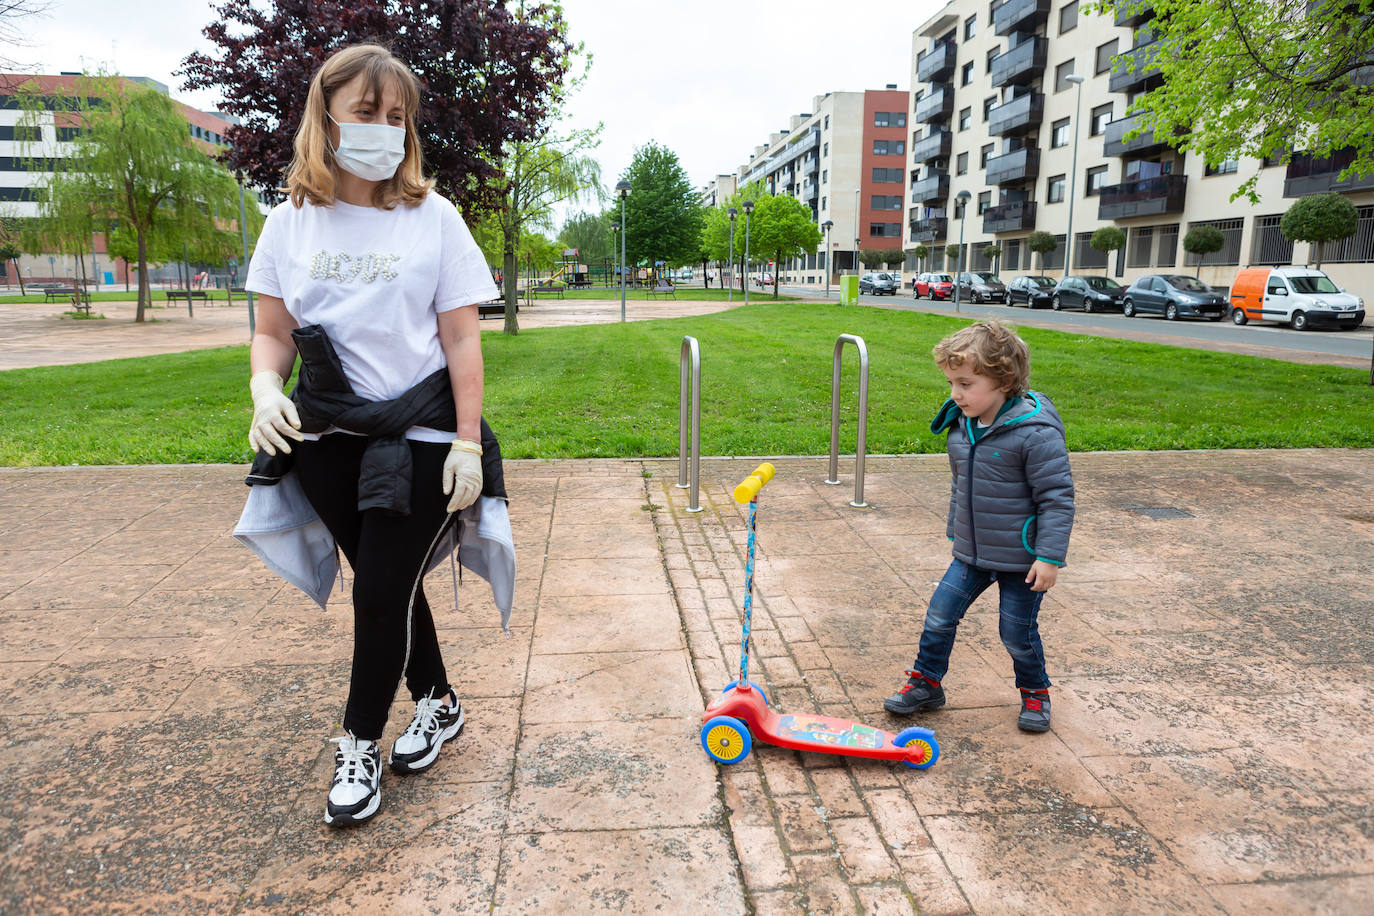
[345, 268]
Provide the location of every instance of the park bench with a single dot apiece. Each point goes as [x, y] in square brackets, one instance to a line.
[661, 288]
[52, 293]
[187, 294]
[495, 308]
[547, 289]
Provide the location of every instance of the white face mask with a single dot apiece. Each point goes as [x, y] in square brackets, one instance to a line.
[370, 151]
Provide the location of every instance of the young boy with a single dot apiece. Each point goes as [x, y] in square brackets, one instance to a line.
[1010, 513]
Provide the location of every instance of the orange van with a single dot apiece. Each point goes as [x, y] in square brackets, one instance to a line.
[1300, 296]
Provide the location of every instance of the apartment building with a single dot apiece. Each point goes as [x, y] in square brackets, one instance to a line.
[844, 159]
[996, 112]
[30, 153]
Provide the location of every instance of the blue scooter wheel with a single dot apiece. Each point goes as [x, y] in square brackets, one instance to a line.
[733, 684]
[726, 740]
[923, 737]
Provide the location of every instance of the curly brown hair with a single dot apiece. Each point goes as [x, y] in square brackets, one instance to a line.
[993, 350]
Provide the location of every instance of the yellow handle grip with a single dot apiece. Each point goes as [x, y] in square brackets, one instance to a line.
[750, 486]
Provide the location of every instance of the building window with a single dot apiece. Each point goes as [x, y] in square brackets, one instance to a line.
[1226, 168]
[1068, 17]
[1085, 255]
[886, 202]
[965, 118]
[21, 134]
[1097, 177]
[961, 164]
[967, 74]
[983, 155]
[992, 55]
[899, 119]
[827, 122]
[823, 203]
[1055, 192]
[1138, 248]
[1059, 133]
[825, 175]
[1062, 74]
[885, 230]
[970, 27]
[1271, 246]
[1105, 53]
[1230, 251]
[889, 119]
[984, 201]
[887, 176]
[1054, 260]
[1358, 248]
[988, 104]
[1168, 246]
[825, 149]
[889, 147]
[1101, 115]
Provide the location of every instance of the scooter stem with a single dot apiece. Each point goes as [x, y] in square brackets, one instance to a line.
[748, 597]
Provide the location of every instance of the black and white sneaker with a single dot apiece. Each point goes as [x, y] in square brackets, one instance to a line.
[356, 792]
[434, 723]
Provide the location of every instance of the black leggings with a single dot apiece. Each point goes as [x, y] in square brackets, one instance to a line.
[385, 552]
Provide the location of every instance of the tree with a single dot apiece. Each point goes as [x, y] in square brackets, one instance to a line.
[872, 257]
[1319, 219]
[1042, 243]
[10, 247]
[715, 231]
[992, 252]
[590, 234]
[952, 251]
[12, 34]
[1106, 240]
[921, 252]
[1202, 241]
[133, 161]
[488, 77]
[782, 228]
[1273, 71]
[662, 215]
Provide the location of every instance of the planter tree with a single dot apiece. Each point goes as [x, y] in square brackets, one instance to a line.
[921, 252]
[1106, 240]
[952, 252]
[1042, 243]
[1202, 241]
[992, 253]
[1319, 219]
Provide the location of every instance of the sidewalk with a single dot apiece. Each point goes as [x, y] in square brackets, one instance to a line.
[166, 703]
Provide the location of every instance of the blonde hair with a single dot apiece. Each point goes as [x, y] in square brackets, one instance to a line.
[312, 172]
[991, 349]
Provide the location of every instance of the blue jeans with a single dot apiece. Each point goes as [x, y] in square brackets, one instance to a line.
[1018, 607]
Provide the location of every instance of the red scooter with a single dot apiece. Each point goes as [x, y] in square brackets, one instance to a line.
[741, 715]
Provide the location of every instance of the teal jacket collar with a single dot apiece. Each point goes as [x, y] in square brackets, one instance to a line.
[1015, 410]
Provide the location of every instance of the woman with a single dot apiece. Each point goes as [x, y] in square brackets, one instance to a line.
[378, 273]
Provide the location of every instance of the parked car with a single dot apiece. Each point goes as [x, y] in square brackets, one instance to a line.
[934, 285]
[879, 284]
[1030, 290]
[1173, 296]
[1298, 295]
[1088, 293]
[979, 286]
[763, 280]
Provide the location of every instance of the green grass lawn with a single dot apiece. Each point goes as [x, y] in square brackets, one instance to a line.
[215, 295]
[612, 390]
[694, 293]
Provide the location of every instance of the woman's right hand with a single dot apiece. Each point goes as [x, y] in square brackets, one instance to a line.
[274, 415]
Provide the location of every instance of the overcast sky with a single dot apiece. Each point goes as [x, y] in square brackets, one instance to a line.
[707, 78]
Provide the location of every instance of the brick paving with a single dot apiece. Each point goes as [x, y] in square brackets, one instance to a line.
[164, 703]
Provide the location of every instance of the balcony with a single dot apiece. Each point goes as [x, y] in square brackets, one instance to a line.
[1312, 175]
[935, 145]
[1020, 16]
[1021, 64]
[1133, 13]
[935, 187]
[1145, 197]
[937, 64]
[1018, 117]
[937, 106]
[1014, 167]
[1117, 145]
[1135, 70]
[928, 229]
[810, 189]
[1009, 217]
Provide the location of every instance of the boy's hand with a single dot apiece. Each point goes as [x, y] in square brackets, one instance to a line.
[1042, 576]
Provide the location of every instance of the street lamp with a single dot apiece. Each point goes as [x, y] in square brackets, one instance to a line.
[855, 265]
[825, 227]
[623, 189]
[1073, 172]
[962, 199]
[748, 208]
[733, 214]
[615, 246]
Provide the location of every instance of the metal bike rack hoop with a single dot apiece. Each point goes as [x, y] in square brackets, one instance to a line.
[861, 445]
[689, 447]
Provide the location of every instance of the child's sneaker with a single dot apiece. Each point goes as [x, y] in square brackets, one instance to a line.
[919, 692]
[434, 723]
[1035, 711]
[357, 789]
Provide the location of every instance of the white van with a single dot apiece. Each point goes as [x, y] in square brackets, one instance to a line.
[1300, 296]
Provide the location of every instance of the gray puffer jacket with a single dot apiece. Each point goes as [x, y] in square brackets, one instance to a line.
[1011, 491]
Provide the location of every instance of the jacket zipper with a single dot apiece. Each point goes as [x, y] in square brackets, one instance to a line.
[972, 448]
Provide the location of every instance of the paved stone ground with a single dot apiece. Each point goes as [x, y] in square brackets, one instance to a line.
[164, 703]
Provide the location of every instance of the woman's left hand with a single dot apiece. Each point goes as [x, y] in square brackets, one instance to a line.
[463, 474]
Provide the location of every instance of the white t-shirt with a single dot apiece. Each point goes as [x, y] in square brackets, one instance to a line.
[376, 281]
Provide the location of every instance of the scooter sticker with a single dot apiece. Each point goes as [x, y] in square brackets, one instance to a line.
[835, 732]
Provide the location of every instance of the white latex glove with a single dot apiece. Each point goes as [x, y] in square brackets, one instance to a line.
[463, 474]
[274, 416]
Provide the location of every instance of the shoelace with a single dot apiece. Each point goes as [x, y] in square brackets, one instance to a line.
[1031, 702]
[913, 680]
[353, 761]
[426, 721]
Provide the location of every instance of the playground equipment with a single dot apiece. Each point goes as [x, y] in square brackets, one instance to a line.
[741, 713]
